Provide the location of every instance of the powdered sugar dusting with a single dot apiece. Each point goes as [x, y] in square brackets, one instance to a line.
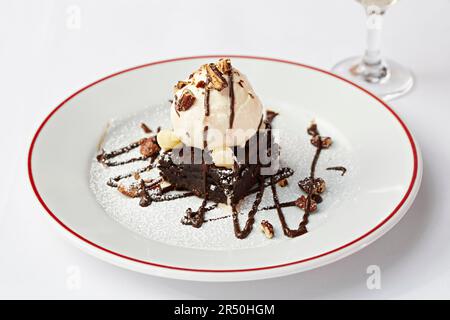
[161, 220]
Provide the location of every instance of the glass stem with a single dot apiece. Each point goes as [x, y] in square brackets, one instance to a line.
[373, 67]
[374, 25]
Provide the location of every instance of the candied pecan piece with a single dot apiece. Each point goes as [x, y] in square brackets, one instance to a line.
[224, 65]
[149, 147]
[201, 84]
[131, 191]
[317, 185]
[301, 203]
[146, 128]
[324, 142]
[267, 229]
[216, 79]
[180, 85]
[283, 182]
[312, 129]
[186, 101]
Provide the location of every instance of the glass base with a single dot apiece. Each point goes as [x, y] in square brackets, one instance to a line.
[397, 80]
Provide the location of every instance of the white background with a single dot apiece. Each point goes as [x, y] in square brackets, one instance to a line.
[42, 61]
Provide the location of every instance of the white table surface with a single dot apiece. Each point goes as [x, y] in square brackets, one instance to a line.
[42, 61]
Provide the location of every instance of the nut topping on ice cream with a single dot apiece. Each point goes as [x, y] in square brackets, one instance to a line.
[186, 100]
[234, 110]
[215, 77]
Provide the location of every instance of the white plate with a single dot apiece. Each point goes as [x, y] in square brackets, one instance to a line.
[384, 163]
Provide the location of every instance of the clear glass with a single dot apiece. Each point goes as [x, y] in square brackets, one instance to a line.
[384, 77]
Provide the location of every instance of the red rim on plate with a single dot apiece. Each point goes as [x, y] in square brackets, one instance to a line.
[390, 216]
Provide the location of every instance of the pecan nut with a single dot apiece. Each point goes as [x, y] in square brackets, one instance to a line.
[149, 147]
[216, 79]
[267, 229]
[180, 85]
[283, 182]
[324, 142]
[302, 202]
[224, 65]
[317, 185]
[186, 101]
[131, 191]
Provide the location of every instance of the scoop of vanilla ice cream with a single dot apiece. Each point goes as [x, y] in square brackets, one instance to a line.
[189, 124]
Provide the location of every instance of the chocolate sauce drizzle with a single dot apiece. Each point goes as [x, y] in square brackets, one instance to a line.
[196, 218]
[103, 156]
[146, 128]
[151, 191]
[283, 173]
[231, 85]
[190, 215]
[120, 163]
[340, 168]
[113, 182]
[206, 103]
[291, 233]
[243, 233]
[248, 227]
[281, 205]
[162, 197]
